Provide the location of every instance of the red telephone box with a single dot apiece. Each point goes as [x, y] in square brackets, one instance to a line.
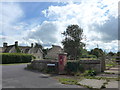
[62, 57]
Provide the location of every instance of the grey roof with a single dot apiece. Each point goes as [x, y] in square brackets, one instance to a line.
[8, 48]
[35, 50]
[24, 49]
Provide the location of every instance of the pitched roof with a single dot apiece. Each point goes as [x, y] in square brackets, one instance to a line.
[7, 49]
[35, 50]
[25, 49]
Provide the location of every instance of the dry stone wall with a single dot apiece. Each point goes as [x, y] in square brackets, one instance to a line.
[88, 64]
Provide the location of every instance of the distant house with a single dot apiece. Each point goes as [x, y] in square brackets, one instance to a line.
[35, 51]
[53, 52]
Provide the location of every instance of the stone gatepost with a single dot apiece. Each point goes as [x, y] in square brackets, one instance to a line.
[62, 61]
[102, 62]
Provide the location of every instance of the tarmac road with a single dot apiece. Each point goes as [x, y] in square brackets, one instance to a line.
[15, 76]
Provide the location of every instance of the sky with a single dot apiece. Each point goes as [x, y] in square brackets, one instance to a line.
[43, 22]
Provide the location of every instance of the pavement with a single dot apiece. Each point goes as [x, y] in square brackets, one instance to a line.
[94, 83]
[15, 76]
[111, 73]
[112, 84]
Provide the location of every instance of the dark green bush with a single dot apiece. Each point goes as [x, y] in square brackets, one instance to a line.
[88, 56]
[90, 73]
[74, 67]
[8, 58]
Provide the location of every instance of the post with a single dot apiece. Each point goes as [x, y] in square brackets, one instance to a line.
[62, 60]
[102, 62]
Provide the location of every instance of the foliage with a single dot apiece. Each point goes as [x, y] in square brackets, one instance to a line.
[17, 49]
[110, 65]
[45, 52]
[72, 42]
[118, 53]
[68, 81]
[88, 56]
[97, 52]
[90, 73]
[74, 67]
[37, 45]
[8, 58]
[111, 54]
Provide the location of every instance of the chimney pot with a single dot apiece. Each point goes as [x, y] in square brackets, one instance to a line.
[16, 43]
[31, 44]
[4, 44]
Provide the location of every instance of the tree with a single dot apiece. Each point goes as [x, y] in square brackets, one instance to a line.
[45, 52]
[38, 46]
[97, 52]
[72, 43]
[111, 54]
[118, 53]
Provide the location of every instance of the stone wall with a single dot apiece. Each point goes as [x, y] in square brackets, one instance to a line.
[91, 64]
[88, 64]
[42, 64]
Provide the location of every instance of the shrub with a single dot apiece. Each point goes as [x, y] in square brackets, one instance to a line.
[88, 56]
[74, 67]
[90, 73]
[8, 58]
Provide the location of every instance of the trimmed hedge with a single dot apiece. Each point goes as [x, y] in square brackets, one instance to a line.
[8, 58]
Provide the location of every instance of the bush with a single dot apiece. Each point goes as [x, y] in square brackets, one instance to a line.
[74, 67]
[90, 73]
[8, 58]
[88, 56]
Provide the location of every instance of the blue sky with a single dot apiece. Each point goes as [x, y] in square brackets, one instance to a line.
[43, 22]
[32, 10]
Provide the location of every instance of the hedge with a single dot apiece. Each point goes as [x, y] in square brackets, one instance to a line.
[8, 58]
[74, 67]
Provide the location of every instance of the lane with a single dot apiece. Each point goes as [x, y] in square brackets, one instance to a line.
[15, 76]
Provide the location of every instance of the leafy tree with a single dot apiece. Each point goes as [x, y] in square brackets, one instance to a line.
[97, 52]
[118, 53]
[45, 52]
[38, 45]
[72, 42]
[111, 54]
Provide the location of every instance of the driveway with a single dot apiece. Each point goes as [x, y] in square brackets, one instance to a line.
[15, 76]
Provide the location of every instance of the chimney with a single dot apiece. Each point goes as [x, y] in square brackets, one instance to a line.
[31, 44]
[4, 44]
[16, 43]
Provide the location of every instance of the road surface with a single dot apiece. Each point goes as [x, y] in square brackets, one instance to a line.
[15, 76]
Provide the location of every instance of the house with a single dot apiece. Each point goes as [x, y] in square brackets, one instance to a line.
[35, 51]
[53, 52]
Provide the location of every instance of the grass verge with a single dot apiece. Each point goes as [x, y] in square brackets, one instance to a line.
[68, 81]
[15, 64]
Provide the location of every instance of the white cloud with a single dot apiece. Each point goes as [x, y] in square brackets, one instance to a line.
[98, 20]
[11, 14]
